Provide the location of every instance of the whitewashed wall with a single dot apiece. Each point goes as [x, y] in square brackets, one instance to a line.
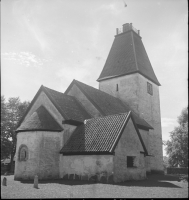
[87, 166]
[43, 155]
[129, 145]
[133, 90]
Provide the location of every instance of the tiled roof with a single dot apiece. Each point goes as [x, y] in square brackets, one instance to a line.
[99, 135]
[107, 104]
[41, 119]
[68, 105]
[96, 135]
[128, 55]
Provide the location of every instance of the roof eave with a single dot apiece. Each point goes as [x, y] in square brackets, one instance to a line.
[139, 135]
[46, 130]
[72, 122]
[137, 71]
[144, 127]
[87, 153]
[115, 76]
[121, 131]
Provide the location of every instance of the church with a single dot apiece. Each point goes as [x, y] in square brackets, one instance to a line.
[110, 134]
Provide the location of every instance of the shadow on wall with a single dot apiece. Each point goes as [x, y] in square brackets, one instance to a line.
[151, 181]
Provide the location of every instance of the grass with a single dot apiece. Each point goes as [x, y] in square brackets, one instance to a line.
[156, 186]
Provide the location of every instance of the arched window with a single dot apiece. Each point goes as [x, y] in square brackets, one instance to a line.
[23, 153]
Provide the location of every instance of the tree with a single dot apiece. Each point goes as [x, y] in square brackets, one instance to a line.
[5, 142]
[12, 112]
[177, 146]
[165, 162]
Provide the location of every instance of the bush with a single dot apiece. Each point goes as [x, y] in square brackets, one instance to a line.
[177, 170]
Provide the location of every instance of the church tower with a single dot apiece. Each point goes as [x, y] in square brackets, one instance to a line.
[129, 76]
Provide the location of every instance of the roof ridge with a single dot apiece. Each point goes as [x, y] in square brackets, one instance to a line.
[100, 117]
[55, 102]
[55, 90]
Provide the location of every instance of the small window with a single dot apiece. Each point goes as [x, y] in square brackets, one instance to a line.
[130, 161]
[117, 87]
[23, 153]
[149, 88]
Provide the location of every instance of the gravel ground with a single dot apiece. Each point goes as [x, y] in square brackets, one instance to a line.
[156, 186]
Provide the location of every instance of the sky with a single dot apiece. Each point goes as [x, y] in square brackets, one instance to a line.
[52, 42]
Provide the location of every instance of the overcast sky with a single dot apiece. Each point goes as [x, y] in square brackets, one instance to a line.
[52, 42]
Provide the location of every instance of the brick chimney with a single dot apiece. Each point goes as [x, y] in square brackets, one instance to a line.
[127, 27]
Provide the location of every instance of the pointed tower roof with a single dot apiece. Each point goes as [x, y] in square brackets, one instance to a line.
[40, 120]
[128, 56]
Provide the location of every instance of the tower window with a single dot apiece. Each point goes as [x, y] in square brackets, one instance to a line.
[117, 87]
[130, 161]
[149, 88]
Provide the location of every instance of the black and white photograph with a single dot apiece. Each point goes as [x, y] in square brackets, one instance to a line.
[94, 99]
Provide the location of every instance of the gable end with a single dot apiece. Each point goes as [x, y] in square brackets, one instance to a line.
[42, 88]
[138, 133]
[87, 96]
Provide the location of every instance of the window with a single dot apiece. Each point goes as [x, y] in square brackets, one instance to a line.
[23, 153]
[149, 88]
[117, 87]
[130, 161]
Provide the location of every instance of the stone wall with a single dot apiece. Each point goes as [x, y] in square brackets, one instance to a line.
[43, 155]
[76, 92]
[43, 147]
[133, 90]
[87, 167]
[149, 109]
[145, 137]
[127, 87]
[129, 145]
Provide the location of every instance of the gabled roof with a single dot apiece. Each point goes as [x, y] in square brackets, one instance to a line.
[40, 120]
[99, 135]
[127, 56]
[69, 107]
[107, 104]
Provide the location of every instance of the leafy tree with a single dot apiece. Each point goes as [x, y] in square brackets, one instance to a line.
[177, 146]
[5, 142]
[11, 114]
[165, 162]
